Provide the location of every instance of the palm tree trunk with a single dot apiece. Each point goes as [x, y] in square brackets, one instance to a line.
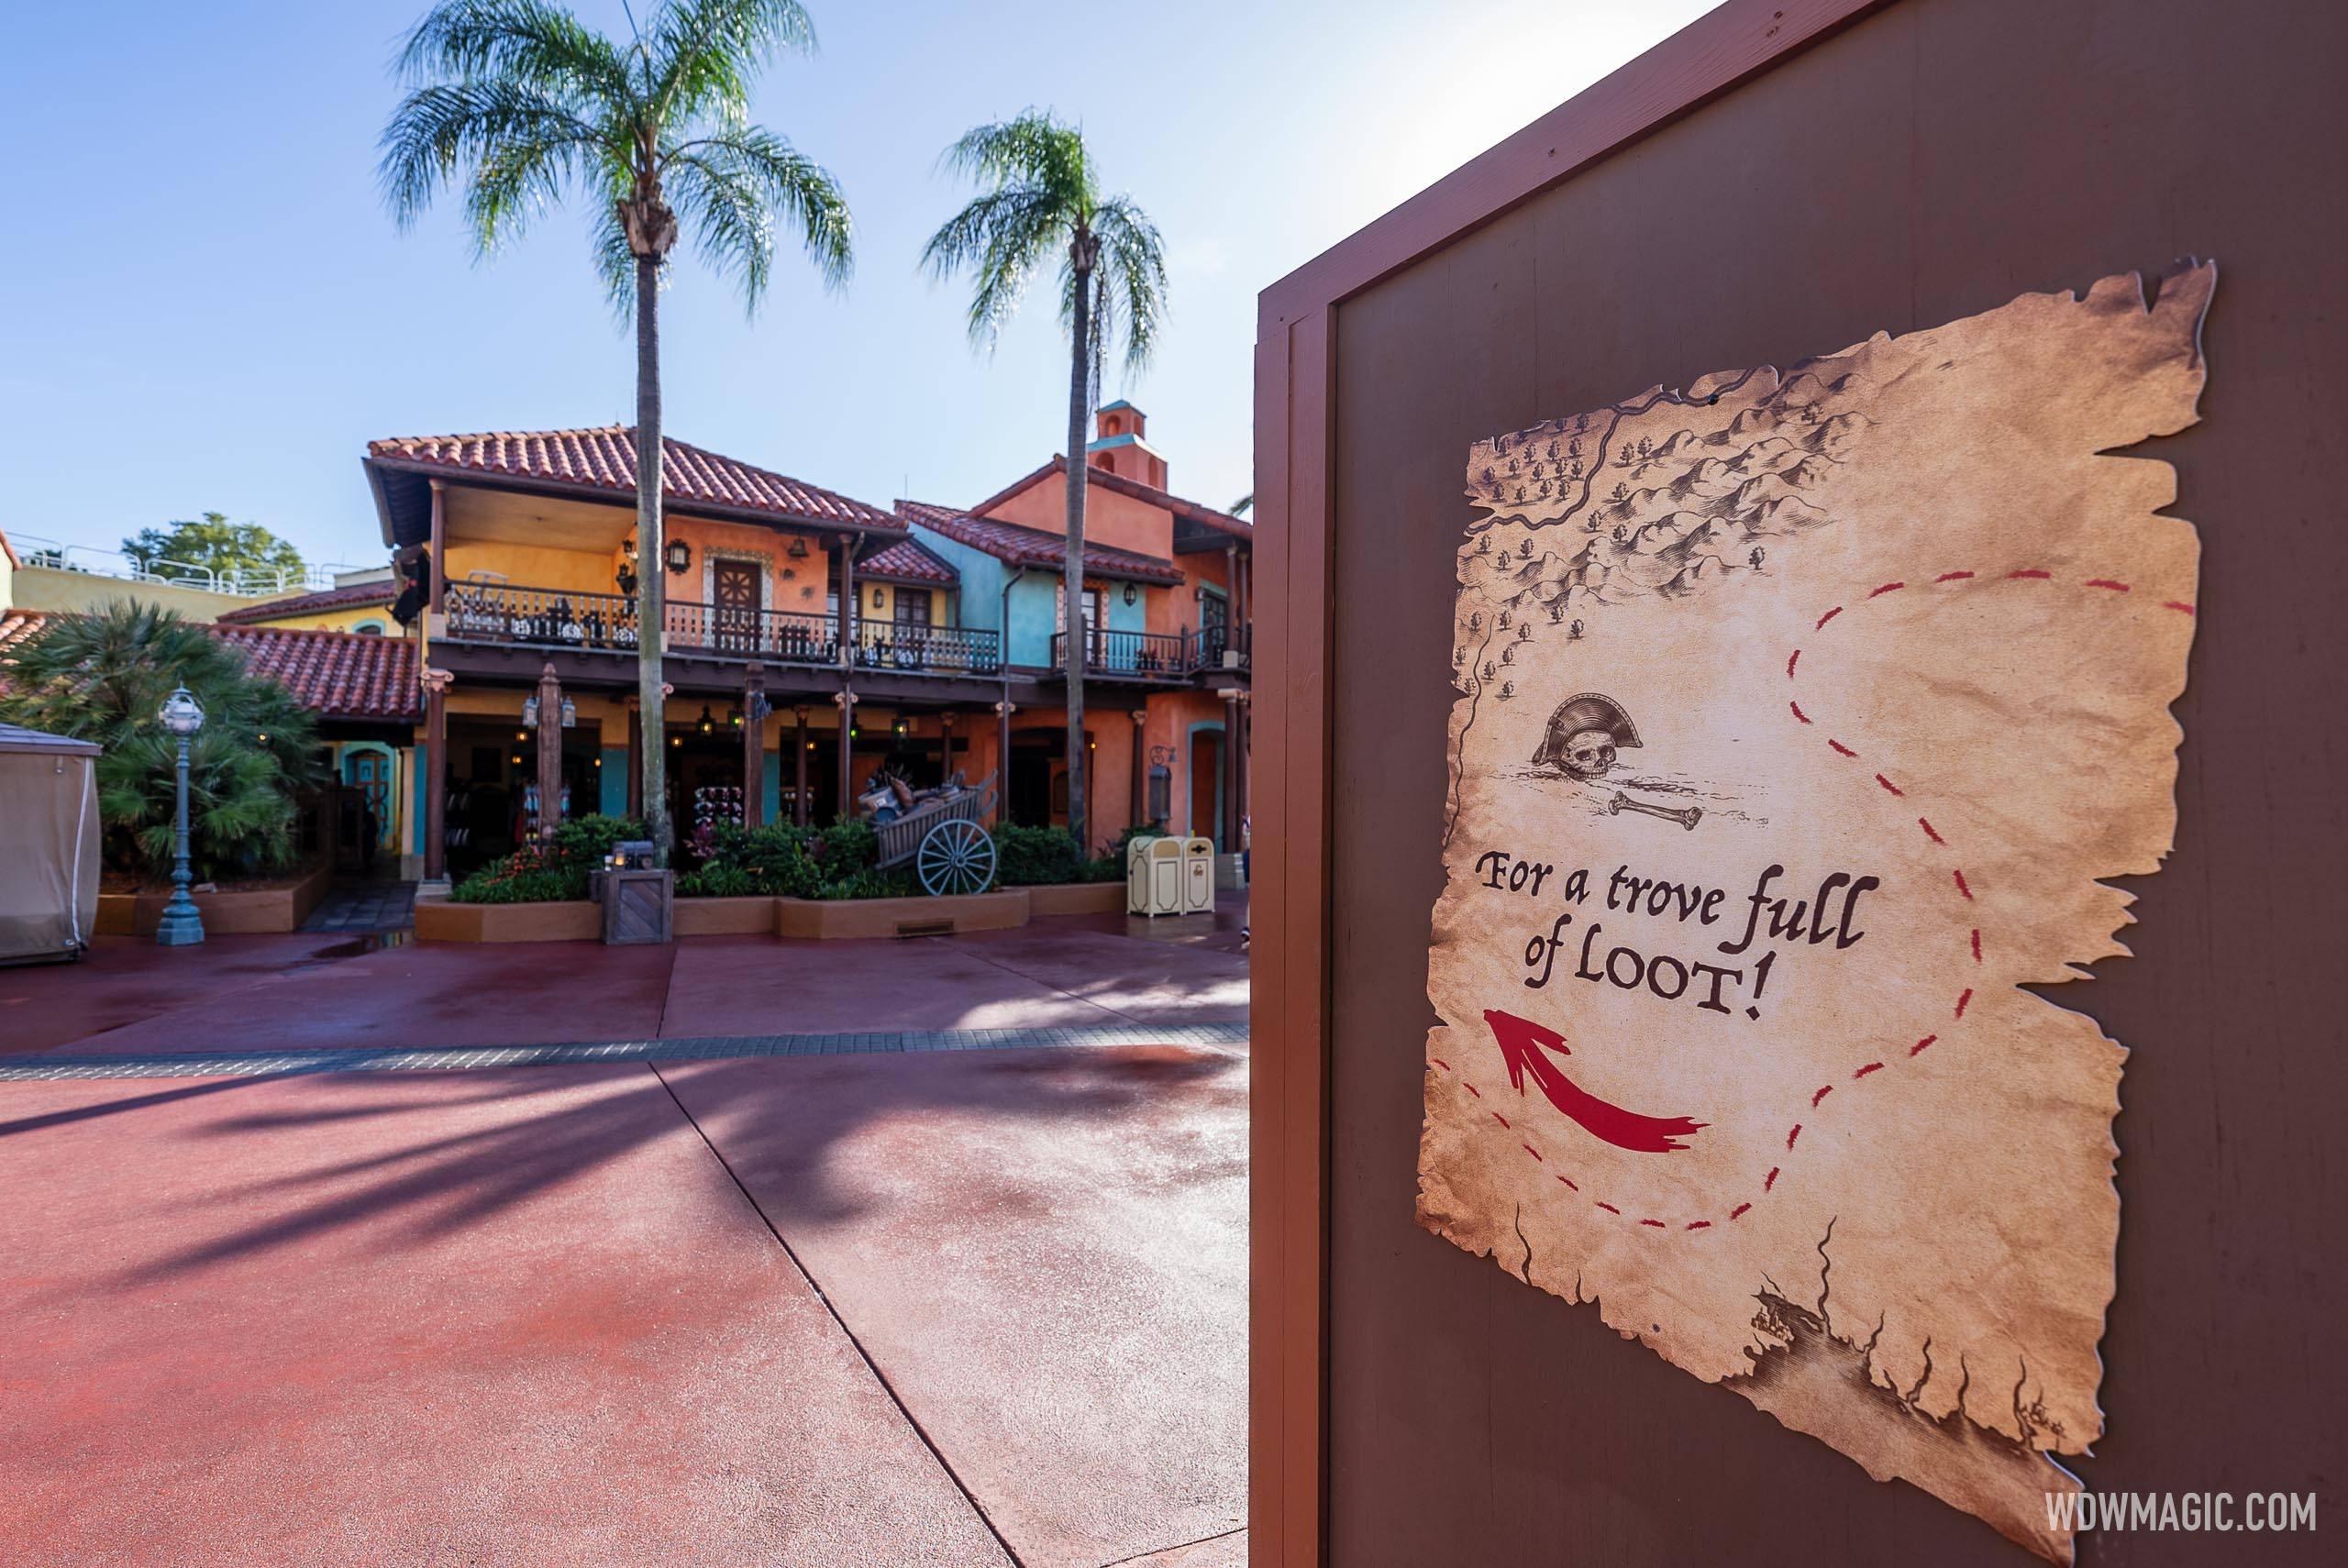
[652, 571]
[1076, 644]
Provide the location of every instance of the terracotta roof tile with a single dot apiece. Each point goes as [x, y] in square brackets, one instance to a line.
[353, 596]
[1019, 546]
[337, 675]
[1206, 516]
[908, 560]
[604, 459]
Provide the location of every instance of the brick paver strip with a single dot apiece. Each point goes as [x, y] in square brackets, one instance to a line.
[703, 1048]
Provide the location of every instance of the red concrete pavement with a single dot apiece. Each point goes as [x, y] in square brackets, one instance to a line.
[316, 990]
[517, 1318]
[1045, 1252]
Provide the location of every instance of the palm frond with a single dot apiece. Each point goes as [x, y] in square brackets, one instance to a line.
[525, 43]
[705, 51]
[1133, 274]
[735, 189]
[530, 139]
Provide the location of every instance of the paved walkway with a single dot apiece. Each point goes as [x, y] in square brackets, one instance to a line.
[967, 1290]
[361, 906]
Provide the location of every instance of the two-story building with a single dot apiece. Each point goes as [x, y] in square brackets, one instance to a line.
[811, 639]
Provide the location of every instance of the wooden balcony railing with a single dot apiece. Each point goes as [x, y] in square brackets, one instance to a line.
[546, 617]
[1167, 656]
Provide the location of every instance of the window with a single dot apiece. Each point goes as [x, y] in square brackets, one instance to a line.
[369, 628]
[913, 606]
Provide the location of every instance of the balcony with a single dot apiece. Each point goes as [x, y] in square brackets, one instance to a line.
[1158, 656]
[504, 615]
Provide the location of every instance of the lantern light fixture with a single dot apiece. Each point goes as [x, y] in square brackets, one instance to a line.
[798, 551]
[706, 724]
[1132, 593]
[680, 556]
[570, 714]
[529, 716]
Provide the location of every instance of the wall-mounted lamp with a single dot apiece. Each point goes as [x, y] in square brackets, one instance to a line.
[1132, 593]
[734, 717]
[680, 556]
[570, 714]
[798, 551]
[706, 724]
[877, 597]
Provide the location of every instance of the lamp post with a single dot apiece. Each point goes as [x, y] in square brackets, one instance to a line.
[183, 923]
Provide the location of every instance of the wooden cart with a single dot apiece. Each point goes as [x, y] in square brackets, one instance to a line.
[945, 841]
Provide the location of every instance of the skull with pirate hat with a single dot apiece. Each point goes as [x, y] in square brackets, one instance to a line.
[1584, 735]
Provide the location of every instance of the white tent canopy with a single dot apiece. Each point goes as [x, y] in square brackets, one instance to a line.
[49, 845]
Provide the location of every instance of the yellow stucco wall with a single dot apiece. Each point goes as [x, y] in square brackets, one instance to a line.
[348, 620]
[1110, 518]
[46, 588]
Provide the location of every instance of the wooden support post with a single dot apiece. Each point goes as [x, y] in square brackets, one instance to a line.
[1140, 769]
[438, 576]
[848, 615]
[799, 781]
[549, 752]
[754, 747]
[1244, 711]
[847, 699]
[1002, 712]
[436, 775]
[1230, 824]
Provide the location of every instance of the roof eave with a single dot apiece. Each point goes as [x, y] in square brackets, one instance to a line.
[528, 484]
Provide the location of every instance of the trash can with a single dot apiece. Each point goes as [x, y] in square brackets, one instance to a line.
[1154, 875]
[1198, 876]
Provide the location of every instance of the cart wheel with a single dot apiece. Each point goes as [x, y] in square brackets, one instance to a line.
[956, 857]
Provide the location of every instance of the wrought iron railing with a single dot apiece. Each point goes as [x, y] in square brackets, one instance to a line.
[547, 617]
[1168, 656]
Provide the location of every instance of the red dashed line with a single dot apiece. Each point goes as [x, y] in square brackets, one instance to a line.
[1656, 1223]
[1935, 838]
[2033, 572]
[1440, 1063]
[1953, 577]
[1890, 786]
[1770, 1181]
[1870, 1067]
[1958, 872]
[1887, 588]
[1497, 1116]
[1471, 1088]
[1962, 997]
[1532, 1150]
[1919, 1044]
[1828, 616]
[1608, 1207]
[1798, 712]
[1839, 749]
[2107, 582]
[1976, 945]
[1792, 1135]
[1570, 1182]
[1791, 662]
[1738, 1212]
[1697, 1225]
[1822, 1094]
[2177, 605]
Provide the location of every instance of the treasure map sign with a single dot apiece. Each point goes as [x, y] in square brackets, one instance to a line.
[1801, 717]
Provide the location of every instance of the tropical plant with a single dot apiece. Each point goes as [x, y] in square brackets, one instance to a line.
[102, 676]
[243, 550]
[545, 873]
[521, 104]
[1040, 198]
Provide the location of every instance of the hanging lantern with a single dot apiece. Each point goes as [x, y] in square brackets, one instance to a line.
[706, 725]
[680, 556]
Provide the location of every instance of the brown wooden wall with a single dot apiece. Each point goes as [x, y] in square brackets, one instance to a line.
[1933, 159]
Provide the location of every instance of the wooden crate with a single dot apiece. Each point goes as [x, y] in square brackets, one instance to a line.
[638, 906]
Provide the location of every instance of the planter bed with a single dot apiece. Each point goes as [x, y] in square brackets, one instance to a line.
[250, 912]
[1077, 899]
[437, 919]
[752, 916]
[839, 919]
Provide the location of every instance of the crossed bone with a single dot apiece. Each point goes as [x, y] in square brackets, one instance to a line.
[1686, 819]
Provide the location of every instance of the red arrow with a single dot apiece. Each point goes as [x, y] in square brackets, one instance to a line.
[1523, 1043]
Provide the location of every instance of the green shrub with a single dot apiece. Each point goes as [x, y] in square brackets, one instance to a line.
[1034, 857]
[101, 677]
[551, 873]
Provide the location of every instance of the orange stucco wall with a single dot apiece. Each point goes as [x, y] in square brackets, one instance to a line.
[1109, 518]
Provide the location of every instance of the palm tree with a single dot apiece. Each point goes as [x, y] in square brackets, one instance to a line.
[1040, 197]
[519, 104]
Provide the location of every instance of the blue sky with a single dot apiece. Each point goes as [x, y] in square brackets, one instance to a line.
[210, 309]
